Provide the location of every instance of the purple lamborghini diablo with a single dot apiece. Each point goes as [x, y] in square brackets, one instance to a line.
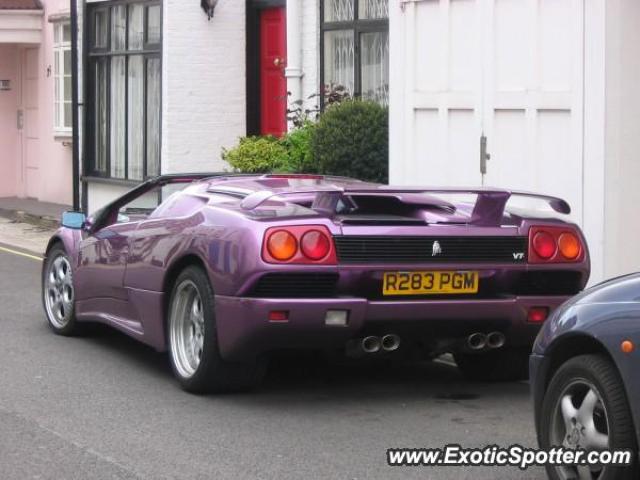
[222, 269]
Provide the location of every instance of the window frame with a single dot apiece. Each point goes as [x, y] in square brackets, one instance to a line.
[93, 56]
[60, 46]
[357, 26]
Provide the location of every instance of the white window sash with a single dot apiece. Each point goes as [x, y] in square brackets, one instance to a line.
[59, 75]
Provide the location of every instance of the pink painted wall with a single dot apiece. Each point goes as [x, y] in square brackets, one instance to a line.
[55, 158]
[8, 129]
[53, 180]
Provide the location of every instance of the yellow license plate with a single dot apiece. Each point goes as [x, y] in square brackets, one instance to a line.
[430, 283]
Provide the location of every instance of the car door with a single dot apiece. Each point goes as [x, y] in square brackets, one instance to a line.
[104, 252]
[106, 249]
[102, 262]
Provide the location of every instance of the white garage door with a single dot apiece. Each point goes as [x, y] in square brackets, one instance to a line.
[506, 70]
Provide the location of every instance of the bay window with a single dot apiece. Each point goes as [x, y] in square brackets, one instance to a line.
[355, 48]
[124, 74]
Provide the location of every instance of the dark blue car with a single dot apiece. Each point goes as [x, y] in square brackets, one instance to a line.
[585, 376]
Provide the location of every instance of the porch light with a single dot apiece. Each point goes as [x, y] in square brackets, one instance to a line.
[209, 7]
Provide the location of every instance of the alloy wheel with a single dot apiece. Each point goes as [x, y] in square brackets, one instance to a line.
[580, 421]
[59, 293]
[186, 329]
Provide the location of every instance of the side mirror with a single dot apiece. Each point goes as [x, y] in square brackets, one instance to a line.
[73, 220]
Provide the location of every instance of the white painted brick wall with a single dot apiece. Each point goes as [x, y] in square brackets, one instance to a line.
[310, 51]
[204, 89]
[203, 94]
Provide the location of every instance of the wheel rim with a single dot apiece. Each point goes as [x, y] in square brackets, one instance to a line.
[186, 329]
[580, 420]
[58, 291]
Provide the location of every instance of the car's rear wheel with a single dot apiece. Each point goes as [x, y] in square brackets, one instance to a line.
[58, 292]
[193, 340]
[503, 365]
[586, 407]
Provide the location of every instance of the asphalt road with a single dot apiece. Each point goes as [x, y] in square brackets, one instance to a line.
[105, 407]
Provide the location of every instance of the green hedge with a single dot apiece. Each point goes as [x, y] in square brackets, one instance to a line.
[350, 139]
[257, 155]
[298, 146]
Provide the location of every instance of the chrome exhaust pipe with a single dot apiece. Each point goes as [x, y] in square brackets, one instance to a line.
[496, 340]
[371, 344]
[477, 341]
[390, 342]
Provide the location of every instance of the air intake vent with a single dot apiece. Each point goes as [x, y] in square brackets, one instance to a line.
[296, 285]
[423, 249]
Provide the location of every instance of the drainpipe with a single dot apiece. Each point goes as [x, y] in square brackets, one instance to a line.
[74, 102]
[293, 71]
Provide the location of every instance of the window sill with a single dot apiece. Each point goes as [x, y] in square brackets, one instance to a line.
[111, 181]
[66, 138]
[63, 16]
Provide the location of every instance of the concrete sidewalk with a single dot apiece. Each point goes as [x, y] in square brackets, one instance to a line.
[24, 236]
[27, 210]
[27, 225]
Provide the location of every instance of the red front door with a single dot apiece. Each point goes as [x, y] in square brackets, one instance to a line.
[273, 84]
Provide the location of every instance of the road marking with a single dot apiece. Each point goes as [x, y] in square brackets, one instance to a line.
[22, 254]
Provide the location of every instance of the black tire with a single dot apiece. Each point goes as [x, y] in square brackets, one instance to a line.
[503, 365]
[600, 373]
[69, 326]
[213, 374]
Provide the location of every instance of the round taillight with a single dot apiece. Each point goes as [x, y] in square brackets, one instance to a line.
[315, 245]
[282, 245]
[569, 246]
[544, 245]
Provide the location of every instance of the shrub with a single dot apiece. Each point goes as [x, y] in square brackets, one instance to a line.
[352, 139]
[335, 93]
[298, 146]
[257, 155]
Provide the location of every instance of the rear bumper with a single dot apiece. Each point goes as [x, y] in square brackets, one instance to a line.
[244, 330]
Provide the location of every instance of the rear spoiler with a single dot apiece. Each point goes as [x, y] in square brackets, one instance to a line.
[488, 209]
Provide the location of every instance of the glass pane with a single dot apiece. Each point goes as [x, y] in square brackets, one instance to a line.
[56, 61]
[57, 33]
[67, 62]
[57, 113]
[117, 116]
[153, 24]
[135, 112]
[67, 115]
[100, 119]
[118, 27]
[339, 60]
[375, 66]
[338, 10]
[67, 89]
[153, 116]
[66, 32]
[371, 9]
[101, 19]
[136, 27]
